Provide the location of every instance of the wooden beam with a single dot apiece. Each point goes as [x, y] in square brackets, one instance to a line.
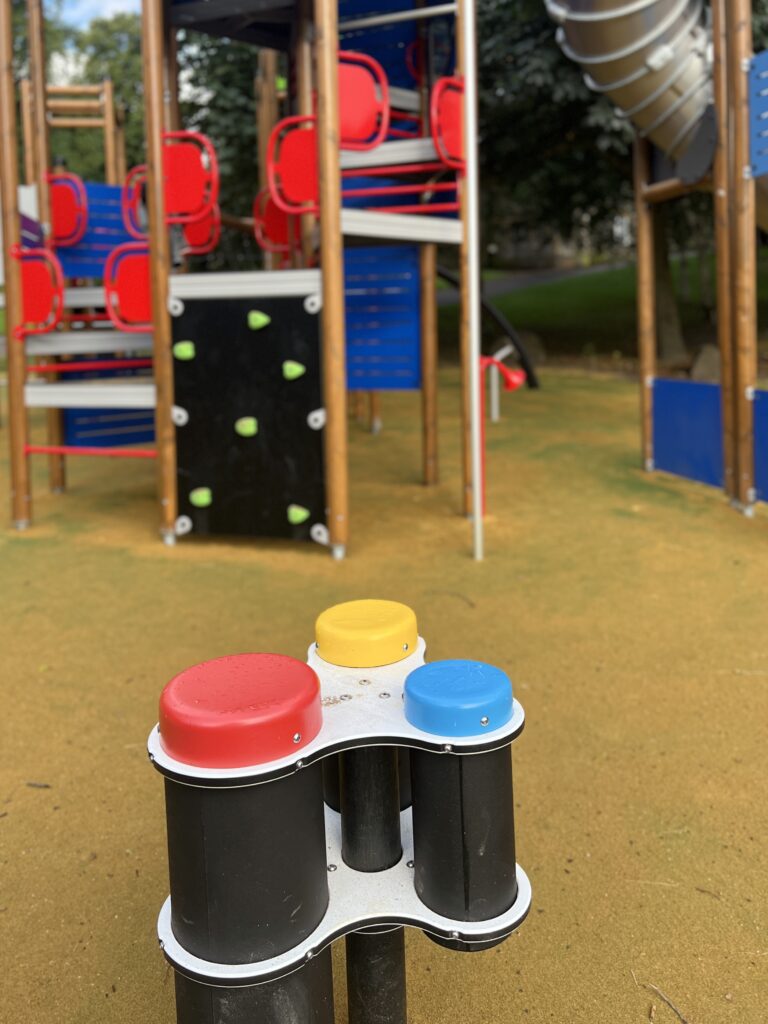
[122, 166]
[304, 92]
[266, 119]
[428, 275]
[73, 90]
[673, 188]
[743, 247]
[160, 261]
[37, 76]
[110, 135]
[722, 218]
[76, 122]
[332, 264]
[21, 500]
[27, 132]
[646, 298]
[74, 107]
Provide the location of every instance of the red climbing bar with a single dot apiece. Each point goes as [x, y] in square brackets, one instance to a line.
[88, 365]
[109, 453]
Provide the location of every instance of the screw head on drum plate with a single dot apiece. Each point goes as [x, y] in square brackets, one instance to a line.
[385, 695]
[297, 737]
[333, 867]
[484, 720]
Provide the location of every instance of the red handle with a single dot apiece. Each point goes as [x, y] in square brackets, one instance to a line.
[129, 201]
[439, 120]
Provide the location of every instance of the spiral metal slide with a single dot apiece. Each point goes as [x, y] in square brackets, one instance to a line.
[653, 60]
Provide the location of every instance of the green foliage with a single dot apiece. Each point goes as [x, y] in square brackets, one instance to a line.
[553, 153]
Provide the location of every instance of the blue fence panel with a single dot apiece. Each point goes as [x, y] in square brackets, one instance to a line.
[108, 428]
[688, 430]
[383, 318]
[761, 445]
[758, 114]
[104, 232]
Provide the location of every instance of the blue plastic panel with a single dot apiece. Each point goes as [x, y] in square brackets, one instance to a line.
[758, 114]
[688, 430]
[458, 698]
[108, 428]
[104, 232]
[761, 445]
[383, 321]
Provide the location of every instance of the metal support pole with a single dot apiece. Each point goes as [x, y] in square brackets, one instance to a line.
[160, 261]
[743, 248]
[646, 298]
[471, 271]
[21, 501]
[332, 264]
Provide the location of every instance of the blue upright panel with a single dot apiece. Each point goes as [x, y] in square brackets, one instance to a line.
[761, 445]
[688, 430]
[105, 231]
[383, 305]
[758, 114]
[108, 428]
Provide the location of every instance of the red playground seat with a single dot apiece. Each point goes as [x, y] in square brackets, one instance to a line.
[69, 208]
[42, 291]
[274, 230]
[292, 165]
[447, 120]
[191, 173]
[363, 101]
[127, 291]
[202, 236]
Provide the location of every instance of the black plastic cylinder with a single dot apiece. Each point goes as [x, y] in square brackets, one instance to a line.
[464, 835]
[332, 781]
[306, 996]
[370, 828]
[247, 866]
[376, 977]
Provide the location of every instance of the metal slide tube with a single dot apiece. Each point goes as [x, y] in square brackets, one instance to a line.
[650, 57]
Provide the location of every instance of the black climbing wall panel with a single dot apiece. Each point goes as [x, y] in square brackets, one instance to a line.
[249, 418]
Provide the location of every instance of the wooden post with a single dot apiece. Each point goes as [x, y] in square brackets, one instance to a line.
[110, 134]
[21, 500]
[122, 166]
[646, 297]
[266, 119]
[160, 262]
[41, 142]
[304, 82]
[428, 274]
[722, 217]
[36, 27]
[332, 264]
[28, 133]
[743, 249]
[465, 329]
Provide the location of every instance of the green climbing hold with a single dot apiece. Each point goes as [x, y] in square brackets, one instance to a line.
[258, 320]
[247, 426]
[201, 497]
[184, 350]
[297, 514]
[293, 370]
[281, 83]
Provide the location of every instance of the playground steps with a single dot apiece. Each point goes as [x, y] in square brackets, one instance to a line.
[113, 393]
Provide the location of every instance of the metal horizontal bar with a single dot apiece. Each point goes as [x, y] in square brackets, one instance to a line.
[116, 393]
[404, 99]
[79, 343]
[393, 17]
[91, 450]
[406, 151]
[401, 227]
[244, 284]
[82, 296]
